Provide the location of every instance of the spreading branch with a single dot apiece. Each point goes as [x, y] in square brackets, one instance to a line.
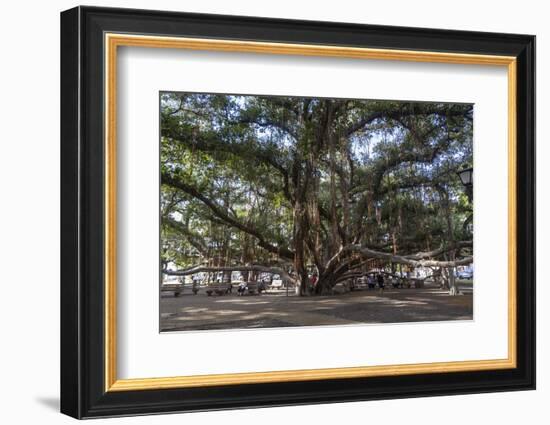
[251, 268]
[416, 260]
[224, 216]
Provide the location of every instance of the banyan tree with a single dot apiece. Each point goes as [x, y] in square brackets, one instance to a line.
[287, 185]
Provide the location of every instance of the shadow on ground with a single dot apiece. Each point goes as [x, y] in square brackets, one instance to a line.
[201, 312]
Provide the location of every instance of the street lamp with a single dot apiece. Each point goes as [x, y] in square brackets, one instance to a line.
[467, 178]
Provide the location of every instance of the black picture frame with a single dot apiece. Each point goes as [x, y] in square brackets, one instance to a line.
[83, 392]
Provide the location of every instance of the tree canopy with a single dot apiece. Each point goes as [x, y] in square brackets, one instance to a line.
[288, 184]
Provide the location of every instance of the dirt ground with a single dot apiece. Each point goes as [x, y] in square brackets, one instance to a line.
[274, 309]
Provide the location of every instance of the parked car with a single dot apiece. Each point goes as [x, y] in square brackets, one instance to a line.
[465, 274]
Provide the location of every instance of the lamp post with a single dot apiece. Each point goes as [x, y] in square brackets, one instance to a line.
[466, 176]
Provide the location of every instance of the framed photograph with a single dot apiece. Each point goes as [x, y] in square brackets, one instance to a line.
[261, 212]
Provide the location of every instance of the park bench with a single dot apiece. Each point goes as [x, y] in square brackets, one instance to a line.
[276, 284]
[255, 288]
[179, 288]
[359, 285]
[176, 288]
[219, 289]
[342, 287]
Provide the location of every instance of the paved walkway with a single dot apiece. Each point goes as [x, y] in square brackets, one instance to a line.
[200, 312]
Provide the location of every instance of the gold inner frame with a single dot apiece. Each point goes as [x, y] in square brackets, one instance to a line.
[113, 41]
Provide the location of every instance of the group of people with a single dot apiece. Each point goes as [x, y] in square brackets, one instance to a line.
[372, 281]
[252, 287]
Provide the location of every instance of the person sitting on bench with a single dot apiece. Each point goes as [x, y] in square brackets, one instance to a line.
[242, 288]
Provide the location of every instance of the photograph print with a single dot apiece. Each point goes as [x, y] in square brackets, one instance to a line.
[287, 211]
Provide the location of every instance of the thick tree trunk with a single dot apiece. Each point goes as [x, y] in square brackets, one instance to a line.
[453, 288]
[333, 200]
[299, 252]
[325, 285]
[453, 285]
